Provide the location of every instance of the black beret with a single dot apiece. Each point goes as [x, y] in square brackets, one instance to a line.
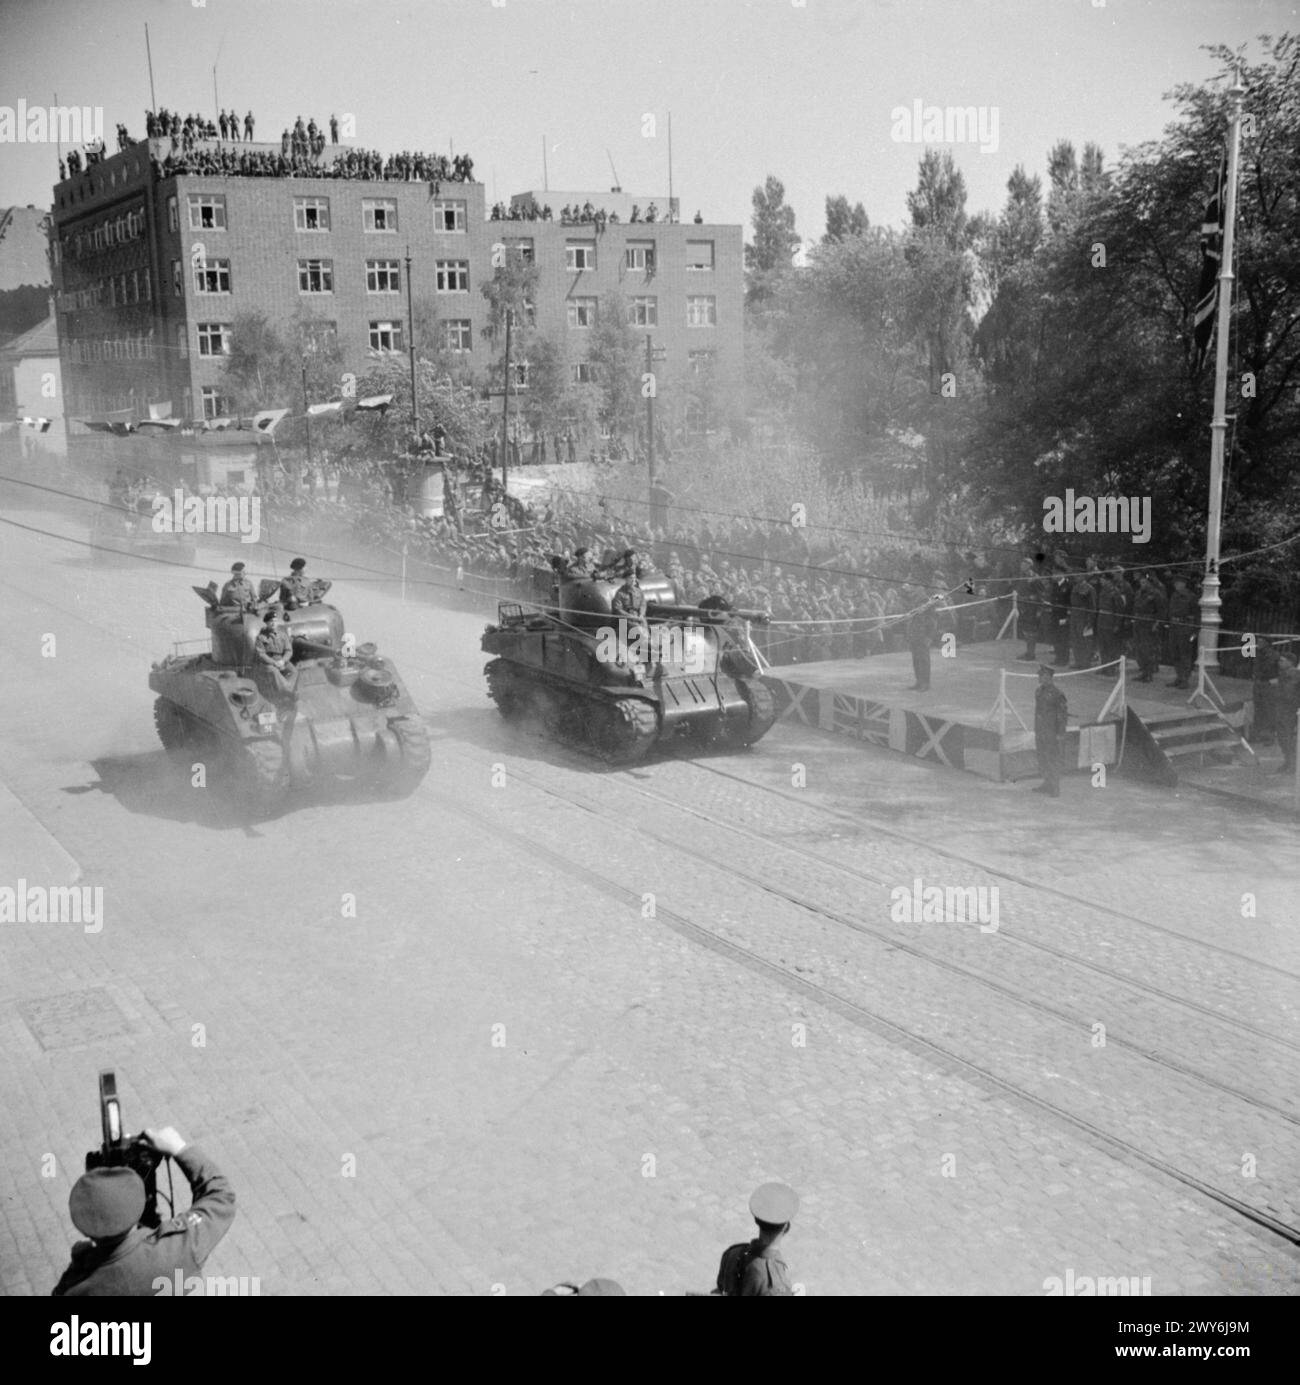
[298, 564]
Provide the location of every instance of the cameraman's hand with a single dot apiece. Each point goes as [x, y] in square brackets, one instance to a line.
[165, 1141]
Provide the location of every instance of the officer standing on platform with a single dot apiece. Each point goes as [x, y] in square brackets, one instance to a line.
[1182, 632]
[122, 1258]
[1060, 612]
[1110, 622]
[1051, 718]
[1149, 613]
[755, 1269]
[921, 630]
[1083, 616]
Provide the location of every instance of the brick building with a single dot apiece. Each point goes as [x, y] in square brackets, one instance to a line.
[151, 273]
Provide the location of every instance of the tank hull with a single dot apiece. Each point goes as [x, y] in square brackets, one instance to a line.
[345, 718]
[621, 687]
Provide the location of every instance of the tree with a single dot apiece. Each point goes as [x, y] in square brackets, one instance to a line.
[613, 353]
[842, 220]
[937, 205]
[258, 370]
[769, 256]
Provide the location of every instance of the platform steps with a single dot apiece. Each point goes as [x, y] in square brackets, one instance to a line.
[1193, 738]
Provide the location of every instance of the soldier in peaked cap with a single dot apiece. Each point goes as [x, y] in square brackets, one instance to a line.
[124, 1258]
[755, 1269]
[239, 591]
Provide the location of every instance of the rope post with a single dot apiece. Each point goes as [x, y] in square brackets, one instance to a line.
[404, 574]
[1002, 705]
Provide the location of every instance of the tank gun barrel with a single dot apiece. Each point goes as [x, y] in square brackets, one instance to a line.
[313, 647]
[713, 614]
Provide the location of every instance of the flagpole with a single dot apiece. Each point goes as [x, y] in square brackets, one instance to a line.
[1210, 603]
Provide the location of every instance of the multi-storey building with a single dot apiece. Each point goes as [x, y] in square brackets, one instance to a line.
[152, 273]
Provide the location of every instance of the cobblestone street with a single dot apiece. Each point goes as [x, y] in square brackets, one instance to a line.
[544, 1020]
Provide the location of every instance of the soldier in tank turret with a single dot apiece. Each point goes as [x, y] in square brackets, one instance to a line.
[238, 591]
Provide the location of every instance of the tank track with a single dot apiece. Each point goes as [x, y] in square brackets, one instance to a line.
[403, 776]
[622, 731]
[762, 712]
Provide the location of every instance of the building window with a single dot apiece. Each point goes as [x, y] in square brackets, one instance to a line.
[214, 338]
[582, 312]
[182, 341]
[583, 373]
[213, 276]
[580, 255]
[699, 254]
[386, 336]
[640, 255]
[215, 404]
[451, 276]
[383, 276]
[519, 374]
[702, 311]
[530, 311]
[173, 216]
[645, 312]
[701, 362]
[311, 213]
[178, 279]
[315, 276]
[207, 211]
[379, 213]
[454, 334]
[449, 216]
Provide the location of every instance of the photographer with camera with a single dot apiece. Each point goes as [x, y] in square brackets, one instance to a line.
[129, 1247]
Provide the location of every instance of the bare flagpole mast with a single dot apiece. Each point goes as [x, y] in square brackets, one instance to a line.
[153, 100]
[1210, 603]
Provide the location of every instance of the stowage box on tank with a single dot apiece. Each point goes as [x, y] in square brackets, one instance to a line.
[349, 715]
[620, 686]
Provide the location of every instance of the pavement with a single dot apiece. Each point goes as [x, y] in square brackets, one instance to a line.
[545, 1021]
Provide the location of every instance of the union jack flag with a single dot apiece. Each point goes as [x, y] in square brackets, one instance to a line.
[1207, 292]
[861, 718]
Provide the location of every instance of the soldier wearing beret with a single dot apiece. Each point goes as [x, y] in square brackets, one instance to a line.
[122, 1258]
[273, 649]
[239, 591]
[1150, 609]
[298, 589]
[755, 1269]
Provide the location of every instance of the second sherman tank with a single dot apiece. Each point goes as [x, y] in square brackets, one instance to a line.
[619, 685]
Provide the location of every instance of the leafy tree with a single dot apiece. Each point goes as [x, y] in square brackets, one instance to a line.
[769, 256]
[613, 351]
[842, 220]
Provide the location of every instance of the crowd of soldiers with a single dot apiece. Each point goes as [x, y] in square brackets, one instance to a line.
[574, 215]
[163, 124]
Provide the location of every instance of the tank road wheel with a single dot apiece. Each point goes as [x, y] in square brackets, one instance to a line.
[623, 730]
[504, 690]
[762, 713]
[263, 777]
[172, 724]
[403, 775]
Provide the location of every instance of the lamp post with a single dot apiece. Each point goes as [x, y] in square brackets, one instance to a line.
[410, 346]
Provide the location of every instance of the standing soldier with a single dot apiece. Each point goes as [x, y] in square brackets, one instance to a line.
[1263, 692]
[1083, 616]
[1060, 612]
[248, 127]
[224, 124]
[239, 591]
[1051, 718]
[1110, 622]
[1031, 602]
[1182, 631]
[921, 630]
[1149, 613]
[755, 1269]
[1287, 705]
[1129, 592]
[334, 129]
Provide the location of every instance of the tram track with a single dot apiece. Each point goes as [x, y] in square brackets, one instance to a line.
[868, 1019]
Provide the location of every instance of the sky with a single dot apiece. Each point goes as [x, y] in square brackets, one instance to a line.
[803, 89]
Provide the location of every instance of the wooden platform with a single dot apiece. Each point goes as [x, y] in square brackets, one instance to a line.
[961, 721]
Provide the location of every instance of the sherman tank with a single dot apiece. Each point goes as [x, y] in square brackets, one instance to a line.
[619, 687]
[348, 716]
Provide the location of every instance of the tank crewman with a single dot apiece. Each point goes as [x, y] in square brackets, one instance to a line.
[1060, 614]
[122, 1258]
[628, 604]
[1051, 718]
[298, 589]
[624, 566]
[274, 650]
[1110, 621]
[239, 591]
[581, 567]
[1150, 610]
[1182, 632]
[921, 630]
[756, 1269]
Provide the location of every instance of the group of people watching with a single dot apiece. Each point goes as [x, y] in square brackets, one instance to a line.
[187, 129]
[574, 215]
